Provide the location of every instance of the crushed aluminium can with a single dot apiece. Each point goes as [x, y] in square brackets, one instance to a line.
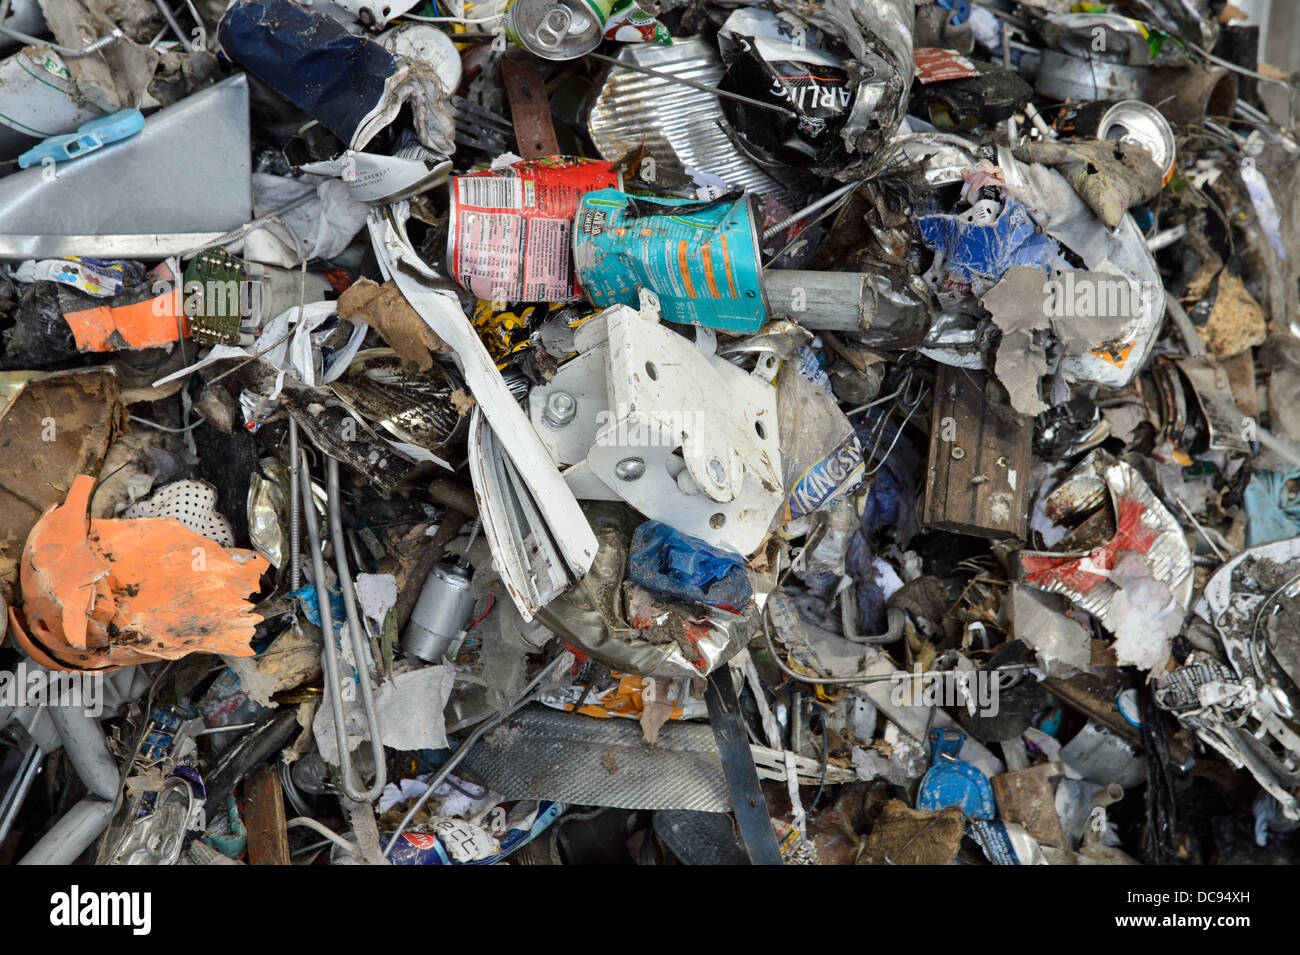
[777, 61]
[509, 235]
[1128, 121]
[628, 23]
[700, 258]
[557, 29]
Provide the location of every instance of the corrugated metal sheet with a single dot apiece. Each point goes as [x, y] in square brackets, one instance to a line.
[672, 120]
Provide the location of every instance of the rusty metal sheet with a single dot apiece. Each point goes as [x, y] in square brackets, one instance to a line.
[530, 109]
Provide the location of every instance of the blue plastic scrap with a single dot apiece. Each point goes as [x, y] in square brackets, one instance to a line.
[951, 781]
[233, 843]
[974, 251]
[89, 137]
[1272, 503]
[306, 596]
[351, 84]
[891, 503]
[670, 562]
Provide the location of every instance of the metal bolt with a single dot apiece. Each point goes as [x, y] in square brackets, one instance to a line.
[561, 408]
[958, 453]
[629, 469]
[1003, 462]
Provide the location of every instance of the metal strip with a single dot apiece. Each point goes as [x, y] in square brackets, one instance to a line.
[747, 799]
[530, 109]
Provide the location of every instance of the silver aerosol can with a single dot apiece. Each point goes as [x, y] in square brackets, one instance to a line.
[440, 614]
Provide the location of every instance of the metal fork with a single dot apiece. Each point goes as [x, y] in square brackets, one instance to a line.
[480, 128]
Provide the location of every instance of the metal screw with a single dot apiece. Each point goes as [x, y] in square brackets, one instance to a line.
[958, 453]
[629, 469]
[561, 408]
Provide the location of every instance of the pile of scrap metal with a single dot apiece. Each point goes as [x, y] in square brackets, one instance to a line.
[648, 432]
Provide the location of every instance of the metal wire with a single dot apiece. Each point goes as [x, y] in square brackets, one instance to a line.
[360, 648]
[904, 400]
[329, 650]
[306, 822]
[466, 746]
[295, 507]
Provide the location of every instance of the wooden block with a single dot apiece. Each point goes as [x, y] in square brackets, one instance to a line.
[530, 109]
[980, 452]
[268, 836]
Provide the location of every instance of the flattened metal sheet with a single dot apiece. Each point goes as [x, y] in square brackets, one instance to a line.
[540, 753]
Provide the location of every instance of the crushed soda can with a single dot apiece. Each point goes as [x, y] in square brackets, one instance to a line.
[510, 231]
[700, 258]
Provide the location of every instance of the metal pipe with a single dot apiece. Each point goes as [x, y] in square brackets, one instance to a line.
[171, 22]
[71, 835]
[84, 742]
[896, 618]
[328, 658]
[330, 835]
[1277, 445]
[360, 646]
[19, 787]
[809, 209]
[295, 508]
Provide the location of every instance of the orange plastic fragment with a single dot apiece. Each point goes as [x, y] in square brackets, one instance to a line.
[110, 593]
[142, 325]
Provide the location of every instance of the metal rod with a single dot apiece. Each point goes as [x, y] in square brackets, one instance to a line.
[463, 750]
[328, 658]
[18, 788]
[94, 46]
[171, 22]
[295, 508]
[1006, 65]
[674, 78]
[1166, 238]
[1183, 322]
[1199, 530]
[809, 209]
[360, 646]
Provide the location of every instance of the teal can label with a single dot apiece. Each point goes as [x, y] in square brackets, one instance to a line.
[700, 258]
